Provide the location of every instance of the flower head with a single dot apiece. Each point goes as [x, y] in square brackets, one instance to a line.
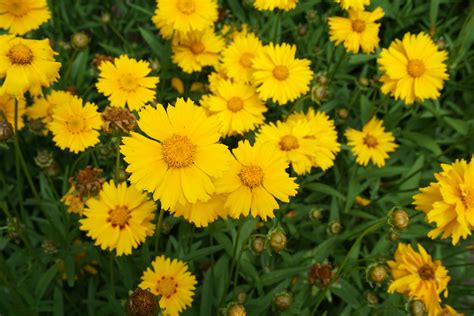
[43, 107]
[202, 213]
[7, 110]
[353, 4]
[285, 5]
[414, 68]
[126, 82]
[22, 16]
[120, 219]
[372, 143]
[171, 280]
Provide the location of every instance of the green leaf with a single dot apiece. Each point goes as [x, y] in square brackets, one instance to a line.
[366, 109]
[237, 9]
[326, 189]
[423, 140]
[278, 275]
[348, 293]
[58, 302]
[45, 281]
[460, 126]
[152, 41]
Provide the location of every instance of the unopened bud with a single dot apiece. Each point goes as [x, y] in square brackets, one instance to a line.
[399, 219]
[376, 274]
[258, 245]
[105, 17]
[236, 310]
[319, 93]
[277, 240]
[363, 81]
[316, 214]
[342, 113]
[44, 158]
[242, 297]
[335, 228]
[371, 297]
[283, 301]
[142, 303]
[416, 308]
[155, 65]
[393, 235]
[80, 40]
[311, 16]
[302, 30]
[6, 130]
[322, 78]
[441, 43]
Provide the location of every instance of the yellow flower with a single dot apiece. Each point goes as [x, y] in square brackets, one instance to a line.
[416, 275]
[73, 201]
[172, 282]
[180, 155]
[237, 57]
[126, 81]
[353, 4]
[120, 219]
[357, 31]
[449, 202]
[22, 16]
[75, 126]
[202, 213]
[26, 65]
[217, 77]
[372, 143]
[186, 15]
[42, 107]
[197, 49]
[256, 178]
[413, 68]
[279, 75]
[7, 110]
[362, 201]
[286, 5]
[449, 311]
[237, 106]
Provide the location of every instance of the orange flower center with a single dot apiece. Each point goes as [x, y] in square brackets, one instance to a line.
[280, 72]
[128, 83]
[426, 272]
[178, 151]
[20, 54]
[166, 286]
[251, 176]
[370, 141]
[467, 197]
[246, 60]
[17, 8]
[197, 47]
[186, 6]
[288, 142]
[415, 68]
[358, 26]
[119, 216]
[235, 104]
[76, 124]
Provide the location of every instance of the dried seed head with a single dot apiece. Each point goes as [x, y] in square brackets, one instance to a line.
[142, 303]
[44, 158]
[87, 181]
[100, 58]
[49, 247]
[118, 118]
[320, 275]
[6, 130]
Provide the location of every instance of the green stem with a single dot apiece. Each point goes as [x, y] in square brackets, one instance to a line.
[117, 162]
[112, 278]
[339, 62]
[234, 261]
[158, 229]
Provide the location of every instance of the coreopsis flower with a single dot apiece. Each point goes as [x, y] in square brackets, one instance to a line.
[119, 219]
[26, 65]
[74, 125]
[372, 143]
[7, 110]
[413, 68]
[280, 76]
[172, 282]
[418, 276]
[197, 49]
[449, 202]
[179, 154]
[42, 108]
[22, 16]
[285, 5]
[353, 4]
[255, 180]
[202, 213]
[237, 106]
[216, 78]
[358, 31]
[449, 311]
[185, 16]
[237, 57]
[126, 81]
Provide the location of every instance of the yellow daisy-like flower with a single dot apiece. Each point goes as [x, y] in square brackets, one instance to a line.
[286, 5]
[372, 143]
[216, 78]
[171, 280]
[180, 155]
[353, 4]
[279, 75]
[7, 110]
[42, 107]
[416, 275]
[449, 202]
[449, 311]
[237, 106]
[75, 126]
[26, 65]
[197, 49]
[237, 57]
[126, 82]
[256, 178]
[414, 68]
[202, 213]
[120, 219]
[22, 16]
[186, 15]
[357, 31]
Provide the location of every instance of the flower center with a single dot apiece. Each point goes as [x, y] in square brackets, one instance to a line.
[288, 142]
[426, 272]
[119, 216]
[467, 197]
[358, 26]
[186, 6]
[76, 124]
[235, 104]
[370, 141]
[246, 60]
[251, 176]
[128, 83]
[20, 54]
[415, 68]
[166, 286]
[17, 8]
[197, 47]
[280, 72]
[178, 151]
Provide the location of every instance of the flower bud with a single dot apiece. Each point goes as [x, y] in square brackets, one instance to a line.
[316, 214]
[277, 240]
[393, 235]
[258, 245]
[342, 113]
[242, 297]
[322, 78]
[335, 228]
[236, 309]
[80, 40]
[399, 219]
[142, 303]
[283, 301]
[441, 43]
[311, 15]
[376, 274]
[371, 297]
[302, 30]
[44, 159]
[363, 81]
[415, 308]
[155, 64]
[319, 93]
[6, 131]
